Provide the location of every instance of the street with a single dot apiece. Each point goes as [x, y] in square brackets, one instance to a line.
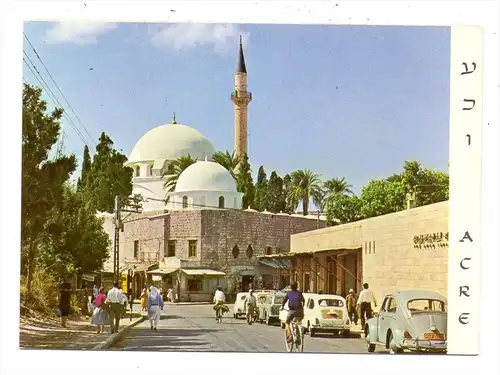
[193, 328]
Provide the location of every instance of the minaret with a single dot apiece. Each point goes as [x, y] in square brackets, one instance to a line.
[241, 98]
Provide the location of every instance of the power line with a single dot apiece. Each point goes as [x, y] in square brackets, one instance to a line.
[57, 86]
[44, 84]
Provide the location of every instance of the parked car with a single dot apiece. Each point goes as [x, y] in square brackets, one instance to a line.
[326, 313]
[414, 320]
[239, 305]
[283, 314]
[269, 310]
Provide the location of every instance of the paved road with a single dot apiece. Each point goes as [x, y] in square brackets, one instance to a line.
[193, 328]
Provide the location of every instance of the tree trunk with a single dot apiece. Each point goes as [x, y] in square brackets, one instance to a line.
[305, 205]
[30, 267]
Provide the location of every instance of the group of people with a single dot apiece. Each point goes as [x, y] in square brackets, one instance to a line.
[361, 306]
[144, 297]
[108, 307]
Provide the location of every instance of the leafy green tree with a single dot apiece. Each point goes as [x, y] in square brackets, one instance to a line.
[381, 197]
[277, 199]
[174, 170]
[261, 191]
[42, 179]
[291, 202]
[429, 186]
[86, 165]
[244, 182]
[305, 185]
[75, 238]
[341, 209]
[108, 176]
[228, 161]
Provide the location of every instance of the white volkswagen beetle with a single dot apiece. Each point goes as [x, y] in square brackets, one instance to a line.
[326, 313]
[414, 320]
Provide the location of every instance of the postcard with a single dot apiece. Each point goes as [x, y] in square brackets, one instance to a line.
[196, 183]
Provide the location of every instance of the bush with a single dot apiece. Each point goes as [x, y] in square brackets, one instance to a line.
[44, 291]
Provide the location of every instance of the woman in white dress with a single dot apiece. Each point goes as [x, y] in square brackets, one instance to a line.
[155, 305]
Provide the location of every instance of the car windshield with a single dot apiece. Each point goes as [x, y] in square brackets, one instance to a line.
[278, 300]
[425, 305]
[330, 302]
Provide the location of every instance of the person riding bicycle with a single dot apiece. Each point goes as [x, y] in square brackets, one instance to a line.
[250, 305]
[296, 303]
[219, 298]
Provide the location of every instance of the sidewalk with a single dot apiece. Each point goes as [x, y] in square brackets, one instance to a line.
[45, 332]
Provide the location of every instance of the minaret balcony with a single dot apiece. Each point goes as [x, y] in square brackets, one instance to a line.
[235, 95]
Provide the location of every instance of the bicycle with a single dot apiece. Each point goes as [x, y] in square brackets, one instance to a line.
[218, 316]
[297, 336]
[220, 308]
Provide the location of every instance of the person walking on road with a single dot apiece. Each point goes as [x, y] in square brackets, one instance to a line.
[155, 305]
[116, 298]
[351, 306]
[170, 295]
[144, 299]
[100, 313]
[250, 304]
[366, 297]
[64, 302]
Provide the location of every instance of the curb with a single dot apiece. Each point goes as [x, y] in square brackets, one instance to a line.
[117, 336]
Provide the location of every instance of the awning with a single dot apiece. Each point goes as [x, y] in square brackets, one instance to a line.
[163, 271]
[203, 272]
[276, 263]
[88, 277]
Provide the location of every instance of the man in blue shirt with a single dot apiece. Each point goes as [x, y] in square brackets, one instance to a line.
[296, 302]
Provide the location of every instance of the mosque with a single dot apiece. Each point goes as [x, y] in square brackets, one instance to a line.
[199, 236]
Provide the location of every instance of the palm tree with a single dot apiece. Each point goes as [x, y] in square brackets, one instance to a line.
[228, 161]
[305, 185]
[333, 188]
[174, 170]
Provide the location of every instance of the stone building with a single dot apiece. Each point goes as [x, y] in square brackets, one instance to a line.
[402, 250]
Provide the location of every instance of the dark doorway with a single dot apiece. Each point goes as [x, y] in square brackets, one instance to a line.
[246, 283]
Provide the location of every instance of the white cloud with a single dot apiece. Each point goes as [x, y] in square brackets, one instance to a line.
[78, 32]
[185, 36]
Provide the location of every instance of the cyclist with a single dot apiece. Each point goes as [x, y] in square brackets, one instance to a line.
[296, 303]
[219, 298]
[250, 305]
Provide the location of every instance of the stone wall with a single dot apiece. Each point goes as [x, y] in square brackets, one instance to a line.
[185, 226]
[222, 230]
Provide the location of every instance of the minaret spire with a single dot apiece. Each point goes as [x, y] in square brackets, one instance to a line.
[173, 120]
[241, 97]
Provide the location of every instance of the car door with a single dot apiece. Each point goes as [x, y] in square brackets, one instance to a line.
[382, 320]
[307, 311]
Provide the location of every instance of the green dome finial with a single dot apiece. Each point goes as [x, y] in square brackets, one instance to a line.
[173, 121]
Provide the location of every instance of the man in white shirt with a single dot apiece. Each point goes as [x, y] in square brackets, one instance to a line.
[250, 305]
[366, 297]
[116, 298]
[219, 298]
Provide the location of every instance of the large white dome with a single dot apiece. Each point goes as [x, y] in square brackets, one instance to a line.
[168, 142]
[206, 176]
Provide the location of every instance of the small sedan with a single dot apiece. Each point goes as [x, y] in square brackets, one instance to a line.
[269, 310]
[326, 313]
[414, 320]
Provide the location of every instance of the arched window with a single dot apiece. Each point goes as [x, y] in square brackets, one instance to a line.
[184, 201]
[137, 171]
[249, 251]
[221, 202]
[236, 251]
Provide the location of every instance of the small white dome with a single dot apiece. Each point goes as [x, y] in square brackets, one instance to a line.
[168, 142]
[206, 176]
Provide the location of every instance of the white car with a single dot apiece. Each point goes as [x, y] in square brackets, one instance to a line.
[284, 312]
[326, 313]
[239, 305]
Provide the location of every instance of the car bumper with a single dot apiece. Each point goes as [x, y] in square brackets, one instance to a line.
[425, 345]
[327, 325]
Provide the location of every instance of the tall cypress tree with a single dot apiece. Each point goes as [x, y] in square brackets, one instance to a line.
[290, 202]
[277, 202]
[86, 165]
[261, 191]
[244, 182]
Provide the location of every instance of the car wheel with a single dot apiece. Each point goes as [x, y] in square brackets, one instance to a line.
[312, 332]
[308, 329]
[393, 349]
[346, 333]
[371, 347]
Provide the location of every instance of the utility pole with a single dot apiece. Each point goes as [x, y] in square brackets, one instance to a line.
[131, 204]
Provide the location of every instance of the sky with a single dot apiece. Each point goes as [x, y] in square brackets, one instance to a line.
[342, 101]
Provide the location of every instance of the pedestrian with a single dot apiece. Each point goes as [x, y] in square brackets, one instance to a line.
[116, 299]
[351, 306]
[100, 313]
[366, 297]
[64, 306]
[155, 305]
[170, 294]
[250, 305]
[144, 298]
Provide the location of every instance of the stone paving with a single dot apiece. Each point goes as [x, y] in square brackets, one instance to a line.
[193, 328]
